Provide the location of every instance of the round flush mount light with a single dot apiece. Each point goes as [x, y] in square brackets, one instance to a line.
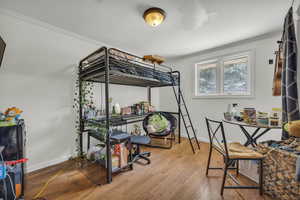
[154, 16]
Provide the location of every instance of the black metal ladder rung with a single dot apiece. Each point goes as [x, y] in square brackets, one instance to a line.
[185, 117]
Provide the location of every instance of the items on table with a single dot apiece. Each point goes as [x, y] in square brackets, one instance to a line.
[275, 117]
[144, 107]
[262, 119]
[141, 108]
[116, 109]
[253, 117]
[126, 110]
[227, 116]
[249, 115]
[233, 112]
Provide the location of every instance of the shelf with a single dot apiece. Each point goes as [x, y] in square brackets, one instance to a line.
[119, 78]
[119, 120]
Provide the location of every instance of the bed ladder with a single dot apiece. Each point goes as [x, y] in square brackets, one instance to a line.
[186, 118]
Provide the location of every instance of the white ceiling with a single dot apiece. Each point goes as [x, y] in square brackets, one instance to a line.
[190, 26]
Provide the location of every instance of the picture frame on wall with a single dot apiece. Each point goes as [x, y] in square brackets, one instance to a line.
[2, 49]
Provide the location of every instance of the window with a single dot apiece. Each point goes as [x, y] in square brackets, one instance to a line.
[224, 77]
[208, 79]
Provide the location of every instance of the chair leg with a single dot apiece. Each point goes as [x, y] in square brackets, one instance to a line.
[148, 154]
[208, 161]
[137, 155]
[138, 149]
[171, 141]
[88, 142]
[224, 177]
[145, 158]
[130, 157]
[237, 167]
[261, 177]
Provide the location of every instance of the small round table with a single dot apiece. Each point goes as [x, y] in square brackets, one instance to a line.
[252, 137]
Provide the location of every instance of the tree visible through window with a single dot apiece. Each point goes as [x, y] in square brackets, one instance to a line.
[236, 75]
[224, 76]
[208, 79]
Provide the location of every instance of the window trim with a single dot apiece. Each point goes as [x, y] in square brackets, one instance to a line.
[220, 70]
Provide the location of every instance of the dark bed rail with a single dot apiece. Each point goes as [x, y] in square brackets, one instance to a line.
[137, 60]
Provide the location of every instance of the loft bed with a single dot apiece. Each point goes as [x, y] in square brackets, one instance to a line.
[125, 69]
[113, 66]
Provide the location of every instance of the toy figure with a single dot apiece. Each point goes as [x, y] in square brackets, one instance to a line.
[13, 114]
[2, 117]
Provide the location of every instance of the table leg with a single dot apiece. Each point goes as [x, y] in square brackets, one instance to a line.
[253, 141]
[250, 140]
[261, 134]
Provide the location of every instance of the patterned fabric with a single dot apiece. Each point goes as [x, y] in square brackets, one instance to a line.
[298, 169]
[290, 106]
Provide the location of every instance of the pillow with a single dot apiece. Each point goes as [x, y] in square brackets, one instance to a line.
[293, 128]
[157, 123]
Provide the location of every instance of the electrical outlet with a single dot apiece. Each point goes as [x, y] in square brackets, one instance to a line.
[271, 61]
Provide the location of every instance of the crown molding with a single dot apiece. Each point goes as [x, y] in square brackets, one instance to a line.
[49, 27]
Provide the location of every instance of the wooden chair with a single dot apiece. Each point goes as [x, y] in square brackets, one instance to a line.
[232, 154]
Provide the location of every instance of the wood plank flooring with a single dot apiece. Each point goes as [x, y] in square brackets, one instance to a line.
[175, 174]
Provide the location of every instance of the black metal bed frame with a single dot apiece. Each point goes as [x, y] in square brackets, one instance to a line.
[107, 81]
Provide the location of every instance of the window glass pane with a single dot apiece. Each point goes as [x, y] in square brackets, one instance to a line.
[236, 75]
[207, 79]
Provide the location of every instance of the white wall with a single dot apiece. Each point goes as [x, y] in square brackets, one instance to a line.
[38, 75]
[214, 108]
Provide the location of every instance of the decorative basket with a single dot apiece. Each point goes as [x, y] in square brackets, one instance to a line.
[279, 173]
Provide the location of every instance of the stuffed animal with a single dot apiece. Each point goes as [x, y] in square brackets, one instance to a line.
[13, 114]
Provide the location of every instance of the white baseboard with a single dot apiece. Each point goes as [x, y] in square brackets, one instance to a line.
[49, 163]
[203, 139]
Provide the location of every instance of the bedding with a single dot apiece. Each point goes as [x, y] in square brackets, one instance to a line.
[127, 64]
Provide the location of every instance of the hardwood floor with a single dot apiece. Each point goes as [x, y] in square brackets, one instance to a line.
[174, 174]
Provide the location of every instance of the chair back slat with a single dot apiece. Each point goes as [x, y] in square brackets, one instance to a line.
[217, 136]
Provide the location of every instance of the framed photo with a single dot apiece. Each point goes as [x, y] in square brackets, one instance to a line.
[2, 49]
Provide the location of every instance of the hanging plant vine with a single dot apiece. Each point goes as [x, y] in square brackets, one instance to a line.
[87, 100]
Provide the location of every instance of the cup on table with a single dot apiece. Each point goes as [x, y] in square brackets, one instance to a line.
[227, 116]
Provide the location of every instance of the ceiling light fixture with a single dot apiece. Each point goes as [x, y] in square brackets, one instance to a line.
[154, 16]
